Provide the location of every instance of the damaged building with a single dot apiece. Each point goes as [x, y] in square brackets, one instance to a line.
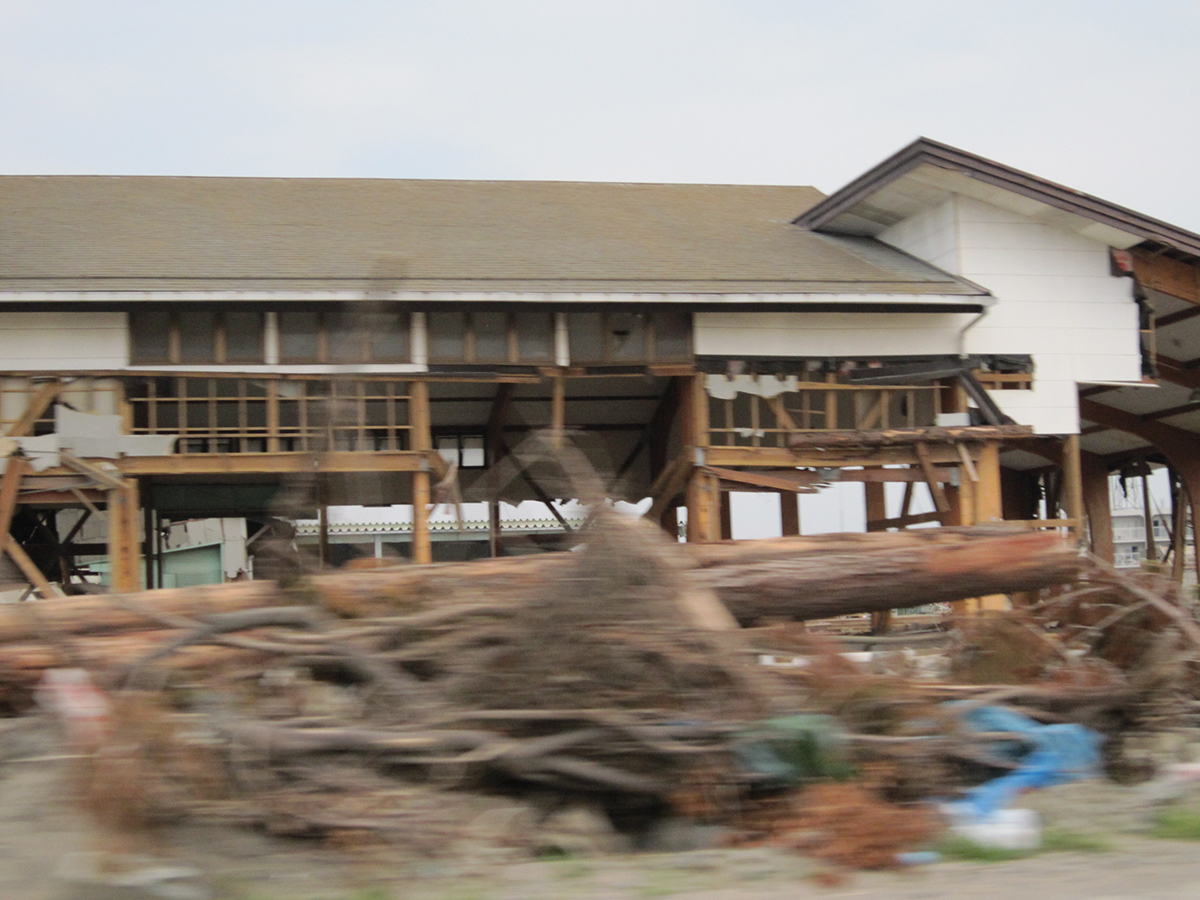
[177, 348]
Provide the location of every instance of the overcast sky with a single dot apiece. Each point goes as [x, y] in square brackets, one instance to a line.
[1099, 95]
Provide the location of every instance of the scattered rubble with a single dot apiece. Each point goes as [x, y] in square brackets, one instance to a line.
[599, 701]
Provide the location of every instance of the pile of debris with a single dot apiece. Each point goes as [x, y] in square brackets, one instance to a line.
[416, 702]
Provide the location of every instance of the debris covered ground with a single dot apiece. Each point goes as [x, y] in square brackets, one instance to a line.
[599, 707]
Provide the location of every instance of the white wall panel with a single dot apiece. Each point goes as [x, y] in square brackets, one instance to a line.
[62, 341]
[930, 235]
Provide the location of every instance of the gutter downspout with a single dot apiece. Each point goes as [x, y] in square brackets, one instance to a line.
[962, 333]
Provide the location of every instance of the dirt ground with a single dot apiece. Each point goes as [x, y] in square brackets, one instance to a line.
[39, 828]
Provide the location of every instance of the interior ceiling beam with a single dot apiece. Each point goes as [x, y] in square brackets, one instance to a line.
[1169, 276]
[1166, 437]
[1177, 372]
[1182, 316]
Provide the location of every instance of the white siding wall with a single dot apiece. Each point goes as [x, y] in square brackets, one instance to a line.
[62, 341]
[1056, 301]
[827, 334]
[931, 235]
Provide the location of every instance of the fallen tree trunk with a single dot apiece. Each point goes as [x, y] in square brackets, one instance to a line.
[866, 573]
[794, 577]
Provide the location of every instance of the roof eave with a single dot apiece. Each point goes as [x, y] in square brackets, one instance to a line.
[924, 151]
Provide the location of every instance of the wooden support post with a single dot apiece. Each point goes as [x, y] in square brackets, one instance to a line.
[322, 528]
[1148, 514]
[989, 502]
[703, 489]
[789, 513]
[124, 546]
[940, 502]
[875, 496]
[703, 504]
[148, 546]
[422, 548]
[1179, 515]
[1098, 504]
[422, 439]
[273, 416]
[726, 502]
[1073, 482]
[558, 411]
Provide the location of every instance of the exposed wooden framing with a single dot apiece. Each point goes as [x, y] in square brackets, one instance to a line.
[10, 487]
[989, 504]
[422, 440]
[1072, 480]
[278, 463]
[1148, 513]
[850, 457]
[1180, 508]
[97, 474]
[925, 460]
[558, 411]
[1182, 316]
[1177, 446]
[875, 500]
[656, 435]
[789, 513]
[35, 408]
[968, 464]
[781, 482]
[903, 521]
[28, 568]
[1170, 276]
[670, 482]
[1098, 505]
[906, 436]
[703, 490]
[124, 556]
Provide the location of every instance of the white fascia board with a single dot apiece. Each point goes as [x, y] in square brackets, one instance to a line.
[563, 298]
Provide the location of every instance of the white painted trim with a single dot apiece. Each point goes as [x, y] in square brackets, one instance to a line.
[562, 340]
[419, 339]
[271, 339]
[564, 297]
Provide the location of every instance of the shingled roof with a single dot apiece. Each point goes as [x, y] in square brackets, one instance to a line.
[137, 233]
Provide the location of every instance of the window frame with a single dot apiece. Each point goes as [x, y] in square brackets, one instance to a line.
[175, 339]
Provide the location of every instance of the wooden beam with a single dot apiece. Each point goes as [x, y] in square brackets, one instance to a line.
[1072, 480]
[37, 406]
[762, 480]
[669, 483]
[1182, 316]
[273, 463]
[558, 411]
[850, 457]
[124, 547]
[989, 502]
[28, 568]
[903, 521]
[789, 513]
[422, 547]
[114, 482]
[10, 487]
[1097, 502]
[931, 480]
[1170, 276]
[908, 436]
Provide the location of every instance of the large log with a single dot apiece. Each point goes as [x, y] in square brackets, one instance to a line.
[792, 577]
[871, 572]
